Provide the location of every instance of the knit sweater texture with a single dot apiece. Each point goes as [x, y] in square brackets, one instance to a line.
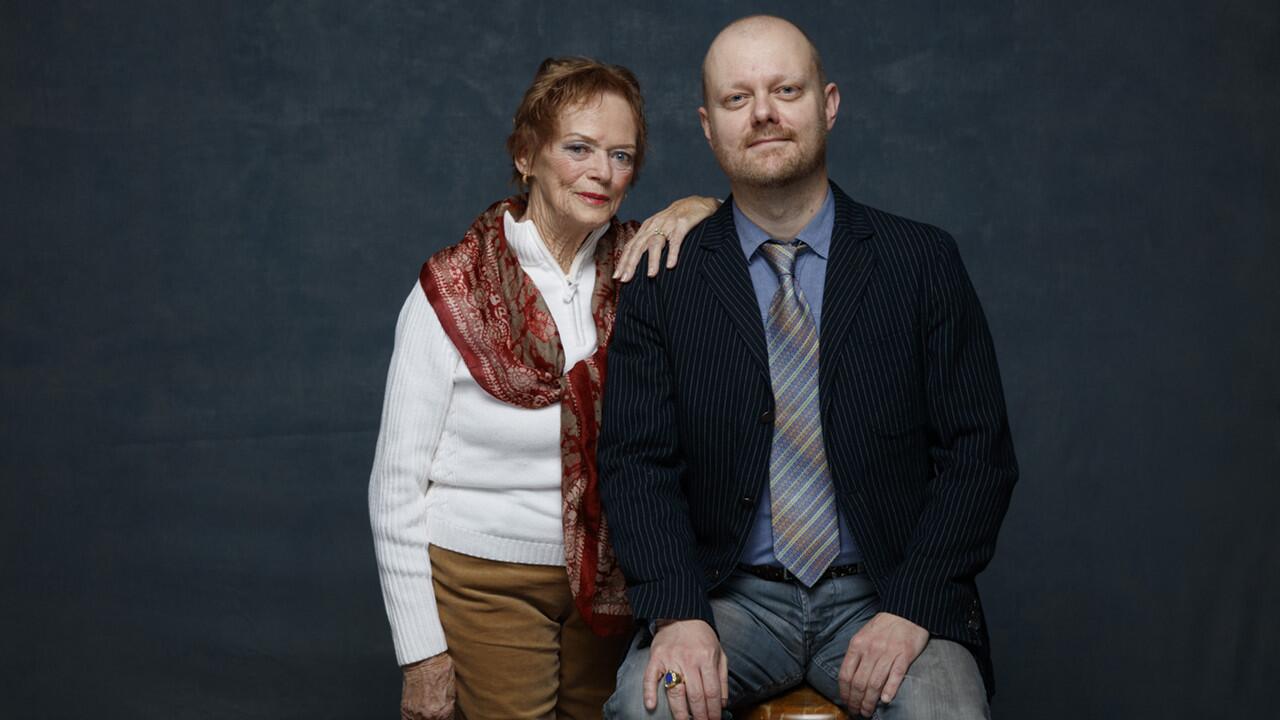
[458, 469]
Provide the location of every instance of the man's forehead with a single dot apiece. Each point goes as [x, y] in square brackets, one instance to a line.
[757, 49]
[761, 64]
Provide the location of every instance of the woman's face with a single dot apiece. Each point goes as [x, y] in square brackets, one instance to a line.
[578, 179]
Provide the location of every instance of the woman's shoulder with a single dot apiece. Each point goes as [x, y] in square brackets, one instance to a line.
[630, 226]
[623, 230]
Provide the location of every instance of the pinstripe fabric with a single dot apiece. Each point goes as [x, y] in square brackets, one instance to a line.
[805, 536]
[914, 425]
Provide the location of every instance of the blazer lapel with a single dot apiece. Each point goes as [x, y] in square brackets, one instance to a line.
[850, 265]
[725, 269]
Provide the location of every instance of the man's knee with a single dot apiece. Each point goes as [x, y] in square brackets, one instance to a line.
[627, 701]
[944, 683]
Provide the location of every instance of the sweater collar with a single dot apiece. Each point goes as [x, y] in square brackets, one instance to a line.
[525, 240]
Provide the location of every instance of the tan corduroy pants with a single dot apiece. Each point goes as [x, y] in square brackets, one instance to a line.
[519, 647]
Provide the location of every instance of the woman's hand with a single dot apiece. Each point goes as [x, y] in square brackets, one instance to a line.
[428, 689]
[666, 228]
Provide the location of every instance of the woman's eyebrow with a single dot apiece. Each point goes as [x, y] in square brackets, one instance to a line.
[593, 141]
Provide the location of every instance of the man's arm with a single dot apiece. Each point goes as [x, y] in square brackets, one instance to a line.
[974, 472]
[641, 472]
[972, 456]
[641, 466]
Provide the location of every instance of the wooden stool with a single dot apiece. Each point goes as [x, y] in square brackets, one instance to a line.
[802, 703]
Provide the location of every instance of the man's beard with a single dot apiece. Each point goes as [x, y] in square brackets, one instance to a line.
[759, 172]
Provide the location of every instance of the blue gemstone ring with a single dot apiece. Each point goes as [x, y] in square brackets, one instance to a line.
[671, 678]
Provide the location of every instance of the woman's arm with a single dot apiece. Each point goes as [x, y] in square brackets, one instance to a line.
[419, 386]
[665, 228]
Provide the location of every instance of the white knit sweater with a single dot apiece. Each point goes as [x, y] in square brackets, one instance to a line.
[458, 469]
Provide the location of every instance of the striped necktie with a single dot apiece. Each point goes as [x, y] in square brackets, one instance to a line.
[806, 536]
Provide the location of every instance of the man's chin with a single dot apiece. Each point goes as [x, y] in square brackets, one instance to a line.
[767, 177]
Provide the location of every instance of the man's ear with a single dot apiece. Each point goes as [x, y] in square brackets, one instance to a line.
[706, 123]
[831, 101]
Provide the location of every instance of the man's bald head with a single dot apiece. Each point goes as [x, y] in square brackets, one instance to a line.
[759, 27]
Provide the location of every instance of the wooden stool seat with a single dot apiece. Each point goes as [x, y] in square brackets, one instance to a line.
[802, 703]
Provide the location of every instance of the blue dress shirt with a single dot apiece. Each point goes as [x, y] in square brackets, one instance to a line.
[811, 272]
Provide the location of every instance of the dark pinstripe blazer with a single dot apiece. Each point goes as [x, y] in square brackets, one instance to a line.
[913, 421]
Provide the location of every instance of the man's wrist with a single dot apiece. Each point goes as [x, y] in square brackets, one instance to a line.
[656, 625]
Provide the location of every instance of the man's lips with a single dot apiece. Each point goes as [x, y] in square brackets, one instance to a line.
[594, 198]
[767, 140]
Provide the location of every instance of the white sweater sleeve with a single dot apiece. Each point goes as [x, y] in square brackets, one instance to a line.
[419, 386]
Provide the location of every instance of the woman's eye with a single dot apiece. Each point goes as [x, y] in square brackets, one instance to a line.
[578, 150]
[622, 157]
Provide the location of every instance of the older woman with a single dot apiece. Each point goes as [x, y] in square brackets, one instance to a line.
[486, 457]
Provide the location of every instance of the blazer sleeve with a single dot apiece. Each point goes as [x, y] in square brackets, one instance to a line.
[641, 466]
[972, 456]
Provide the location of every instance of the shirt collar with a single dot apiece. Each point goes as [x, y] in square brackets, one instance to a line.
[816, 234]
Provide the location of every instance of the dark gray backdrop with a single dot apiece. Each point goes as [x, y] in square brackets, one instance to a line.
[211, 213]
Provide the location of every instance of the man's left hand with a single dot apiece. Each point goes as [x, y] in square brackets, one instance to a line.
[877, 661]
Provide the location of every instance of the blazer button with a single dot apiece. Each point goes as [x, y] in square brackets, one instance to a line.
[766, 417]
[975, 621]
[747, 501]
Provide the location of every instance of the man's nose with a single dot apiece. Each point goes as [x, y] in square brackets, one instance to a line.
[763, 110]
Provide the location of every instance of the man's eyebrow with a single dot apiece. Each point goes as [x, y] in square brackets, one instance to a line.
[732, 86]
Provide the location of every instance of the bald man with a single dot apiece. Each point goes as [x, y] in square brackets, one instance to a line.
[805, 456]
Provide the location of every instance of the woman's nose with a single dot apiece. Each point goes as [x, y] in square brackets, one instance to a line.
[601, 168]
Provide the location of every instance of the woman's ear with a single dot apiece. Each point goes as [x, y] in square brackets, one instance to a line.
[524, 163]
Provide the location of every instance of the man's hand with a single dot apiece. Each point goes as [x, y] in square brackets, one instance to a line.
[428, 689]
[877, 660]
[691, 648]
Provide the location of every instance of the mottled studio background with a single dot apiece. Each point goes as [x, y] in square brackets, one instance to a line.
[210, 213]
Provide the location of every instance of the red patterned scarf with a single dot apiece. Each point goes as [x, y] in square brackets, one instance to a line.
[500, 324]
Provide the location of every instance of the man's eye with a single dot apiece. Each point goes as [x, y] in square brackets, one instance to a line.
[788, 90]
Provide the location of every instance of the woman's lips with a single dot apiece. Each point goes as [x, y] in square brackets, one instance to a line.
[593, 198]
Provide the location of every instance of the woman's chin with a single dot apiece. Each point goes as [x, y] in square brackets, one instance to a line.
[593, 217]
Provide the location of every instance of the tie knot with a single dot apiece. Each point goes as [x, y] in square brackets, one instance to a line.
[781, 256]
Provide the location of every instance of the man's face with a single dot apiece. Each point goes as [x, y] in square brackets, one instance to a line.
[766, 114]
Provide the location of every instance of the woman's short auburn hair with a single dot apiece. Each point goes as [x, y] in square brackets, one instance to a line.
[563, 83]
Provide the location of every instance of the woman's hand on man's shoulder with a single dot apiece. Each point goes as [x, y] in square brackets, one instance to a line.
[666, 228]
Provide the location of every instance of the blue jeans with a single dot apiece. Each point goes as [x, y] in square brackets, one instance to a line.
[777, 635]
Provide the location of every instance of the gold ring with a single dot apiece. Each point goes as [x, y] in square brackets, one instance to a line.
[671, 678]
[663, 235]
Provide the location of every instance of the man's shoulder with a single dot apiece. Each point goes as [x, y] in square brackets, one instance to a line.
[898, 239]
[707, 234]
[904, 231]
